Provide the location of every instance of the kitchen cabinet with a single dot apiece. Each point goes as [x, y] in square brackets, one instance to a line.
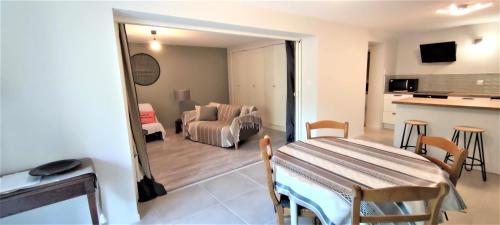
[389, 114]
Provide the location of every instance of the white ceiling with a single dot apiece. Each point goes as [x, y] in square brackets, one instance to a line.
[390, 16]
[170, 36]
[395, 16]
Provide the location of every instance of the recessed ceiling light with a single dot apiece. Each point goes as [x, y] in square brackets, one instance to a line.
[462, 9]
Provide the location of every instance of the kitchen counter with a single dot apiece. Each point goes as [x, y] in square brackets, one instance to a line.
[444, 114]
[461, 94]
[462, 103]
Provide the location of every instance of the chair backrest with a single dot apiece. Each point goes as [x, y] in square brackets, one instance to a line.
[327, 124]
[459, 154]
[266, 153]
[432, 195]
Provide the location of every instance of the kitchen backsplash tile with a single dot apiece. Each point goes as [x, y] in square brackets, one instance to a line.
[454, 82]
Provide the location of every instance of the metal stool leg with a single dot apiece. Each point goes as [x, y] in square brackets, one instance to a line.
[403, 137]
[409, 136]
[470, 138]
[425, 145]
[447, 157]
[481, 154]
[473, 157]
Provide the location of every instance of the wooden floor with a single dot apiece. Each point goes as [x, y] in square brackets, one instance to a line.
[178, 162]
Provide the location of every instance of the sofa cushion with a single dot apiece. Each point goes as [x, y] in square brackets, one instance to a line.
[206, 113]
[227, 112]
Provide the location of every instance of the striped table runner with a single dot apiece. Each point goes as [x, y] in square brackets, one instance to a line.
[318, 171]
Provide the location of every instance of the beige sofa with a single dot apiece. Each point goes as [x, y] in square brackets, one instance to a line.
[226, 131]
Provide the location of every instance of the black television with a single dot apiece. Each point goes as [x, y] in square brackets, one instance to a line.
[439, 52]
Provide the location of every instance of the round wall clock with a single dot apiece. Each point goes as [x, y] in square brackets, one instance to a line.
[145, 69]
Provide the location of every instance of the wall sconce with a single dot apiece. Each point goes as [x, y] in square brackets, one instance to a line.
[477, 40]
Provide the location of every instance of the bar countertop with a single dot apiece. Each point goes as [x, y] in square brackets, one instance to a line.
[457, 94]
[493, 104]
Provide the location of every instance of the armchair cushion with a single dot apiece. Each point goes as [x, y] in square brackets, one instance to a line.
[206, 113]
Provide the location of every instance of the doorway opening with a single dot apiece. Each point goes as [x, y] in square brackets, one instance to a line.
[374, 98]
[191, 88]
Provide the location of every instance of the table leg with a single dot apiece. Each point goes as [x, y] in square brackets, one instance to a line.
[293, 212]
[93, 208]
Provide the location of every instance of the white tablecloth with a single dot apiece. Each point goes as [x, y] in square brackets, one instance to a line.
[319, 174]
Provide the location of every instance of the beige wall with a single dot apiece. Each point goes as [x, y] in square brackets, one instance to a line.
[471, 58]
[199, 69]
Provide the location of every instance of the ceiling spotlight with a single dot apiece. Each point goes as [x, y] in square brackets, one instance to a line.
[462, 9]
[154, 44]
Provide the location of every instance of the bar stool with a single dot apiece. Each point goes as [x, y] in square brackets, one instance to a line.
[478, 146]
[418, 124]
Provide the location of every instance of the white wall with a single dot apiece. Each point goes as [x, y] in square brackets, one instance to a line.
[62, 91]
[62, 98]
[342, 78]
[471, 58]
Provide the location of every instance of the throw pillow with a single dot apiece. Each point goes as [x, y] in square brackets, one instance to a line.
[147, 117]
[244, 111]
[206, 113]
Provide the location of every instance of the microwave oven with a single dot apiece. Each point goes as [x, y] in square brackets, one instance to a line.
[408, 85]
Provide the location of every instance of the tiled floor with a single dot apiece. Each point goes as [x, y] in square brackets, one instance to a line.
[383, 136]
[240, 197]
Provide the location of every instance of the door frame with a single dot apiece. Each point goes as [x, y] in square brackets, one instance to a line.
[298, 90]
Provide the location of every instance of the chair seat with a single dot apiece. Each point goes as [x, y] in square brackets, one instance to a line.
[469, 129]
[416, 122]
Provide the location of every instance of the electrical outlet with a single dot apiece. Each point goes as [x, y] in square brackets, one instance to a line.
[479, 82]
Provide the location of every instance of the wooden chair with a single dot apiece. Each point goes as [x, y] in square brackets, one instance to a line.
[432, 195]
[281, 202]
[459, 155]
[327, 124]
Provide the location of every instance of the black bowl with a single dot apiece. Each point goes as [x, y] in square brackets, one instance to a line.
[56, 167]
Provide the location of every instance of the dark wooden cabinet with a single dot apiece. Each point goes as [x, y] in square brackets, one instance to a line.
[46, 194]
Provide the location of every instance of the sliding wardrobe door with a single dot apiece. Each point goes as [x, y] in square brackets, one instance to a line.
[278, 105]
[250, 76]
[259, 79]
[275, 86]
[237, 69]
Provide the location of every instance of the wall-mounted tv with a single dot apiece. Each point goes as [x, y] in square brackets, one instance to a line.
[438, 52]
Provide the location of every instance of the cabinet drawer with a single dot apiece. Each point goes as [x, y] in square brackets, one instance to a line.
[389, 117]
[396, 96]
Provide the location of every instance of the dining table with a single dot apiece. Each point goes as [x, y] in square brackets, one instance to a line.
[319, 174]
